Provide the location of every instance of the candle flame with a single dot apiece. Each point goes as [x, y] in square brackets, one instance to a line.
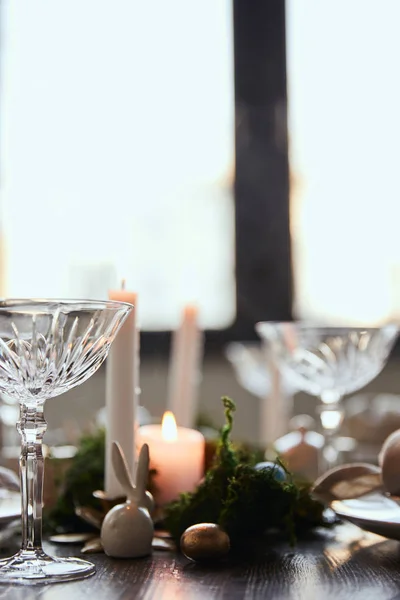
[169, 430]
[123, 284]
[190, 312]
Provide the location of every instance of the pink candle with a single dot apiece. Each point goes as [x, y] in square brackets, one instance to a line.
[177, 454]
[185, 368]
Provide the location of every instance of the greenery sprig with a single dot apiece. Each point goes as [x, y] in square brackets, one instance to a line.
[77, 484]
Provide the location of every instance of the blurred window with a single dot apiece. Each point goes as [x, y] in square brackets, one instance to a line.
[117, 149]
[344, 124]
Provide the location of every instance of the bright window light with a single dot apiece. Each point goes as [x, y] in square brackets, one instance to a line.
[117, 151]
[344, 124]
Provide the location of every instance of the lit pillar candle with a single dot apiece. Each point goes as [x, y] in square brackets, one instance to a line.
[185, 368]
[122, 388]
[177, 454]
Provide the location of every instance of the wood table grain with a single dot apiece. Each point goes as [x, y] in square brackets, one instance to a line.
[344, 563]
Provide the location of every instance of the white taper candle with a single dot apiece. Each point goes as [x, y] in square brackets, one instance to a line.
[122, 374]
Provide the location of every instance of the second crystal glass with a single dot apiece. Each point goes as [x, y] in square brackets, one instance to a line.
[46, 348]
[329, 362]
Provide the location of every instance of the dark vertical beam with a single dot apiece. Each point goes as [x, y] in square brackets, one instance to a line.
[263, 259]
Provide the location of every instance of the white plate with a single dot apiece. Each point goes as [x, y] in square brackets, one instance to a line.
[10, 507]
[373, 512]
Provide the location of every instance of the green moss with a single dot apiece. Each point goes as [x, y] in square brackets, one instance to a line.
[85, 475]
[245, 502]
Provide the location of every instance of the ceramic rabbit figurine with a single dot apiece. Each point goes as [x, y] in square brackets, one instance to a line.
[127, 530]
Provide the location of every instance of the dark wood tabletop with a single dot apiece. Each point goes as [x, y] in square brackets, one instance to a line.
[342, 563]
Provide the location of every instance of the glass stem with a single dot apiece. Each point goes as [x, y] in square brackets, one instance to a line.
[331, 415]
[31, 426]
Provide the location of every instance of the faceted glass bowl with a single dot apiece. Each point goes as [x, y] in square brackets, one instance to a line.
[329, 362]
[46, 348]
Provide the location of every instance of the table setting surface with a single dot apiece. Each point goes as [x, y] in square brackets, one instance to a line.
[341, 563]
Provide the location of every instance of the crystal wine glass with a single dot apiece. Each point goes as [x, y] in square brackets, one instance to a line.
[46, 348]
[329, 362]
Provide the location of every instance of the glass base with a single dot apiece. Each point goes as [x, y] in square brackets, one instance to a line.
[32, 566]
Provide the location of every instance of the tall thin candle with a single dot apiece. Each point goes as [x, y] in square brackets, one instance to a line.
[275, 408]
[184, 369]
[122, 385]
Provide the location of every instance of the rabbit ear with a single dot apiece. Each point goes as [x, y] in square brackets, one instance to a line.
[121, 469]
[142, 472]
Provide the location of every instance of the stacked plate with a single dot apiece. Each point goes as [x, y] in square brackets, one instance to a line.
[374, 512]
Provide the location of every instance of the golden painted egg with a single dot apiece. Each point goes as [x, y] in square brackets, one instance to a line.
[205, 541]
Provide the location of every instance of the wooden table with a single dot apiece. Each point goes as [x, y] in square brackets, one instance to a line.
[341, 564]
